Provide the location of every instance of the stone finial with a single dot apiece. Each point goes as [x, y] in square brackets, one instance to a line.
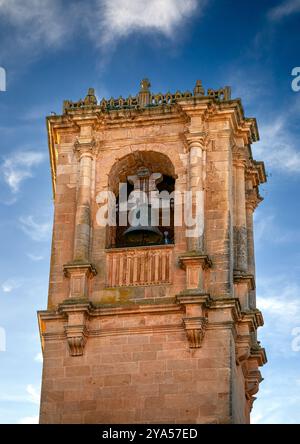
[90, 98]
[199, 90]
[145, 85]
[144, 96]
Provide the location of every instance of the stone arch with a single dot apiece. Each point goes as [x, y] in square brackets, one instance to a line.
[155, 162]
[128, 164]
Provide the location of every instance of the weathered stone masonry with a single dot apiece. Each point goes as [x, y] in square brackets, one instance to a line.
[162, 333]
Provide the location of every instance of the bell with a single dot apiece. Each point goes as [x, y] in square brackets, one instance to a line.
[143, 234]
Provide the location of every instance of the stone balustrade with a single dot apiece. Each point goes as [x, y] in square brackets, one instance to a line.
[145, 98]
[129, 267]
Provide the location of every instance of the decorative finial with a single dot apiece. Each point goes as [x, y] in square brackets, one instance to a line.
[145, 85]
[90, 98]
[199, 90]
[144, 94]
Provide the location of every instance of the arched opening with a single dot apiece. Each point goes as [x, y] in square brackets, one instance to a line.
[150, 174]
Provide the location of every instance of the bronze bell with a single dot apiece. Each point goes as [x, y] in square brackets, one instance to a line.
[143, 234]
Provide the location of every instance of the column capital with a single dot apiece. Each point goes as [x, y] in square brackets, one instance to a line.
[86, 147]
[239, 162]
[252, 200]
[198, 139]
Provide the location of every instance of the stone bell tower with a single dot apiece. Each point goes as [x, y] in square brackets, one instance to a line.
[150, 324]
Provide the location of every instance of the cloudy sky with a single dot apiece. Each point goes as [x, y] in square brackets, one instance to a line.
[54, 50]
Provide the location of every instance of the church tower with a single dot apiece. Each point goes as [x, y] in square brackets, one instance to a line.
[151, 313]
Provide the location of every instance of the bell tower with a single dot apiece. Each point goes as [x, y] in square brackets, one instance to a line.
[152, 311]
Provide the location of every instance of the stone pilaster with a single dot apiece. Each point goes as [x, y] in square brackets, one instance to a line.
[85, 149]
[196, 143]
[80, 270]
[251, 203]
[240, 223]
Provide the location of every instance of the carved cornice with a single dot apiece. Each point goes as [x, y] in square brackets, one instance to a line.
[258, 354]
[260, 167]
[194, 297]
[242, 348]
[253, 318]
[253, 199]
[228, 303]
[252, 383]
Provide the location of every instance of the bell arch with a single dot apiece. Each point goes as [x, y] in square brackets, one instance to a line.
[121, 173]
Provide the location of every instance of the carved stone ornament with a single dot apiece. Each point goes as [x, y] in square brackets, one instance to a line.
[76, 328]
[76, 338]
[85, 147]
[195, 330]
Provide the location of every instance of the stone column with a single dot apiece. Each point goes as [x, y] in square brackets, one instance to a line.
[240, 222]
[83, 222]
[251, 204]
[196, 187]
[80, 270]
[195, 262]
[250, 239]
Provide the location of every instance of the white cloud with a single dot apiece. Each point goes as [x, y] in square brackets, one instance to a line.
[31, 396]
[35, 257]
[39, 357]
[42, 24]
[278, 297]
[29, 420]
[37, 231]
[279, 397]
[284, 9]
[37, 23]
[263, 226]
[267, 228]
[33, 393]
[120, 18]
[18, 167]
[278, 145]
[288, 310]
[10, 285]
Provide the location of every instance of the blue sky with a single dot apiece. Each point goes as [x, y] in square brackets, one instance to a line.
[54, 50]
